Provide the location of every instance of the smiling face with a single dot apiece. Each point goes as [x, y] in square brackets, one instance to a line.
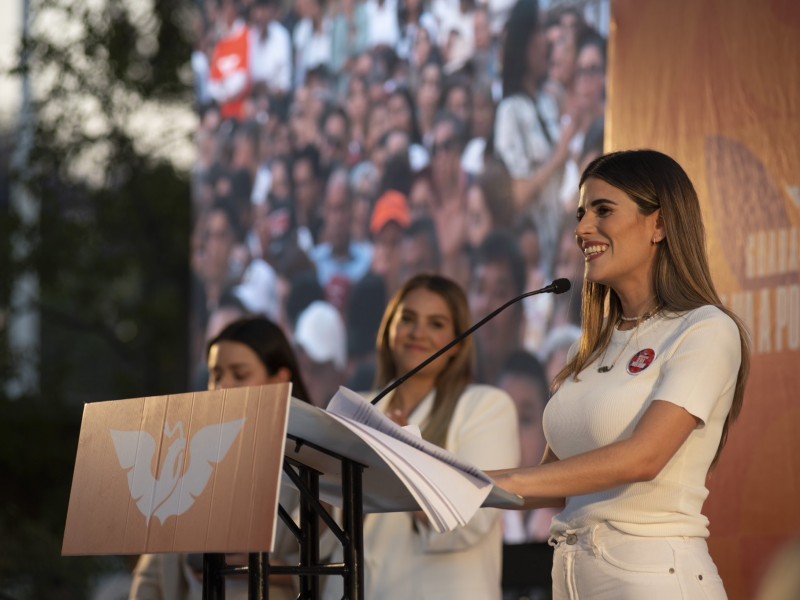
[421, 325]
[616, 238]
[233, 364]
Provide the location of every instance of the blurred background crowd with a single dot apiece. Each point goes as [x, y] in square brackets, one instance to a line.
[346, 145]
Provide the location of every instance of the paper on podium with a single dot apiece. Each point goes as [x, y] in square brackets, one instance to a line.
[446, 488]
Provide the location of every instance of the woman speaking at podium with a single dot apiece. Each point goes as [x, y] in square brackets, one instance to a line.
[250, 351]
[404, 557]
[643, 406]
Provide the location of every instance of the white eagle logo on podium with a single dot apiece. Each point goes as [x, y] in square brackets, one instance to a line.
[174, 492]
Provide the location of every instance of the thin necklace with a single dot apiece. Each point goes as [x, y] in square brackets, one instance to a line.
[606, 368]
[642, 318]
[639, 320]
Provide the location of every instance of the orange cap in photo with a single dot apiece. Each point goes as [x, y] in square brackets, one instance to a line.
[391, 206]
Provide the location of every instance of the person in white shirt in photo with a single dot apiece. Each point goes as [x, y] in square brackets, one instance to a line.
[404, 556]
[270, 49]
[644, 404]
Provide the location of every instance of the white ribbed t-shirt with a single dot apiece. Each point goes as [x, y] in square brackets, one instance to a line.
[693, 361]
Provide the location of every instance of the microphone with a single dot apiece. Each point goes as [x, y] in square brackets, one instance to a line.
[559, 286]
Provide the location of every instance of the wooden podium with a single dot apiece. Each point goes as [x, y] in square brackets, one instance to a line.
[201, 473]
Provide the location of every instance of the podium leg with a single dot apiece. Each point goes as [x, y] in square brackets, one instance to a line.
[354, 526]
[309, 525]
[350, 534]
[213, 581]
[258, 576]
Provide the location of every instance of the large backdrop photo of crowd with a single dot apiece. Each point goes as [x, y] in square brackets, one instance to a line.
[346, 145]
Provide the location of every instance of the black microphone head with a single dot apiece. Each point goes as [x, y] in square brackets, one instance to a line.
[560, 286]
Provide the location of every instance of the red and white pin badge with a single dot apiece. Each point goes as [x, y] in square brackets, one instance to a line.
[641, 360]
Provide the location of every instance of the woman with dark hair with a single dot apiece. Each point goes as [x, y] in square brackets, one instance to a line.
[457, 99]
[250, 351]
[476, 422]
[253, 351]
[428, 92]
[403, 113]
[526, 134]
[356, 104]
[645, 401]
[413, 16]
[402, 116]
[589, 109]
[590, 77]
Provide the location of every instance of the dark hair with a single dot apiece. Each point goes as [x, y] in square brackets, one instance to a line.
[319, 74]
[397, 175]
[311, 154]
[522, 25]
[337, 173]
[335, 110]
[590, 37]
[286, 161]
[403, 92]
[525, 364]
[230, 300]
[224, 205]
[452, 83]
[501, 247]
[269, 343]
[425, 227]
[525, 223]
[385, 60]
[459, 127]
[304, 289]
[241, 188]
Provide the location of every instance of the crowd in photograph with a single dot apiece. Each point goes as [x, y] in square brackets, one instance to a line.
[345, 146]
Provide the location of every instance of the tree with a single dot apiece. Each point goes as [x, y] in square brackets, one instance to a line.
[107, 169]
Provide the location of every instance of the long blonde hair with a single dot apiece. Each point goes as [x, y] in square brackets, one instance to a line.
[455, 377]
[681, 275]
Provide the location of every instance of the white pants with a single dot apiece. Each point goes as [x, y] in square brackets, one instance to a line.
[601, 562]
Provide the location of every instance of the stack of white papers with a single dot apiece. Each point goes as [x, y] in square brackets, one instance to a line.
[447, 489]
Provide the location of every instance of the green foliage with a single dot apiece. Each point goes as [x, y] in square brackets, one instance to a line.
[110, 247]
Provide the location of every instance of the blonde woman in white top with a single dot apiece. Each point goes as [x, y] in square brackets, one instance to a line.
[643, 406]
[405, 558]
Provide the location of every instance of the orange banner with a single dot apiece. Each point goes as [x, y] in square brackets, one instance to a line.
[716, 85]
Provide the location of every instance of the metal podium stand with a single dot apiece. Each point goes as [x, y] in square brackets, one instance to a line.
[120, 505]
[326, 462]
[349, 535]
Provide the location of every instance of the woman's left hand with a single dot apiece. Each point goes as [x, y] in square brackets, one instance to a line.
[398, 417]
